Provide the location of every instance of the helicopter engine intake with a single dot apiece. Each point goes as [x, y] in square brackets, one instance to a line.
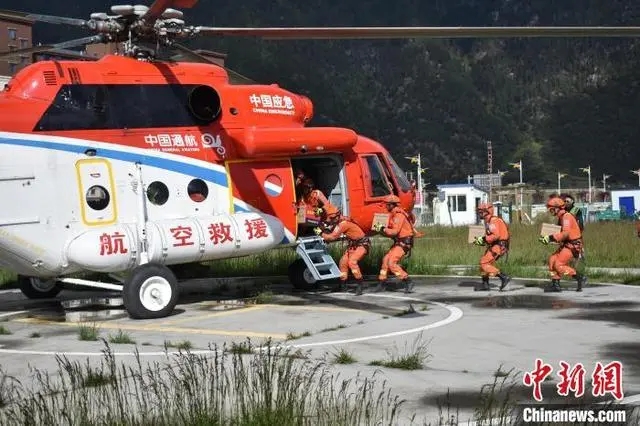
[174, 241]
[204, 103]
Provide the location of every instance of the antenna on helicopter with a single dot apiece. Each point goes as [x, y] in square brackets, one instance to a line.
[160, 24]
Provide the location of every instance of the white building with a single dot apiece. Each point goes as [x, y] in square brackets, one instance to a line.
[627, 201]
[456, 204]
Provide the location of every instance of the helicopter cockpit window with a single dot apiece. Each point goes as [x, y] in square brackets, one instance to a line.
[401, 177]
[97, 197]
[380, 186]
[78, 107]
[157, 193]
[120, 106]
[198, 190]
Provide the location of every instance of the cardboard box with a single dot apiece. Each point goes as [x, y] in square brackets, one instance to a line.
[307, 216]
[302, 216]
[380, 218]
[548, 229]
[475, 231]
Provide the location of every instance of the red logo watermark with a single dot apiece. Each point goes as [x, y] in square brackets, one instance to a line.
[605, 379]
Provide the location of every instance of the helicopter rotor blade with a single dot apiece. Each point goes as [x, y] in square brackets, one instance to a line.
[184, 4]
[234, 76]
[100, 38]
[26, 51]
[155, 10]
[50, 19]
[73, 53]
[310, 33]
[158, 7]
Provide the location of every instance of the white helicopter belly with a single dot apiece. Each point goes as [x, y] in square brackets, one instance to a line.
[52, 230]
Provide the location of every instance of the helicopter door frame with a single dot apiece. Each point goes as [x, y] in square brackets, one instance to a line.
[96, 174]
[342, 183]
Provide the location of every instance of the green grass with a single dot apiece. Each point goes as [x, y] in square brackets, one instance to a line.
[343, 357]
[121, 337]
[295, 336]
[88, 332]
[607, 244]
[183, 345]
[413, 358]
[270, 387]
[337, 327]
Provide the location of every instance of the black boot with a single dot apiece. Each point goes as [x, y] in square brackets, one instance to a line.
[340, 287]
[408, 285]
[582, 280]
[554, 287]
[382, 285]
[484, 286]
[504, 279]
[358, 287]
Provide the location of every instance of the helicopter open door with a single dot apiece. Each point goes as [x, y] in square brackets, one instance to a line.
[97, 192]
[264, 185]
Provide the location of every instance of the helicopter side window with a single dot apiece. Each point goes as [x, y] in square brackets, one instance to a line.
[157, 193]
[122, 106]
[380, 186]
[97, 197]
[130, 107]
[152, 105]
[198, 190]
[77, 107]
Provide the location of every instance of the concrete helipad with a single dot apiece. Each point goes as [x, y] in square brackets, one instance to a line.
[469, 335]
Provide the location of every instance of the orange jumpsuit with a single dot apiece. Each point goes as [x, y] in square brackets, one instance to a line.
[497, 238]
[401, 230]
[358, 248]
[316, 199]
[570, 239]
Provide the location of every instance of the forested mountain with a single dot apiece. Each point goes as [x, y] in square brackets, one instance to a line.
[557, 104]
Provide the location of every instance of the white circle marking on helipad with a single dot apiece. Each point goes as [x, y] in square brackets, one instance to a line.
[455, 314]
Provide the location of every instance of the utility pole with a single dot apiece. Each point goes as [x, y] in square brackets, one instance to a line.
[560, 176]
[604, 182]
[637, 173]
[490, 169]
[518, 165]
[418, 161]
[588, 171]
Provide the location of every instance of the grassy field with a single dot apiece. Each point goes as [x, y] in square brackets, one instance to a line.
[607, 244]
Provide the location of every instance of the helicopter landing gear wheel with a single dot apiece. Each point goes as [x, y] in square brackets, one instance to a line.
[38, 288]
[151, 291]
[300, 276]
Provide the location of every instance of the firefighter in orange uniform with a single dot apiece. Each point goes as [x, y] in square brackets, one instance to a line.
[570, 239]
[315, 200]
[497, 240]
[400, 228]
[359, 246]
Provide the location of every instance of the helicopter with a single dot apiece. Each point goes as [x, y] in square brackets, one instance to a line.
[132, 163]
